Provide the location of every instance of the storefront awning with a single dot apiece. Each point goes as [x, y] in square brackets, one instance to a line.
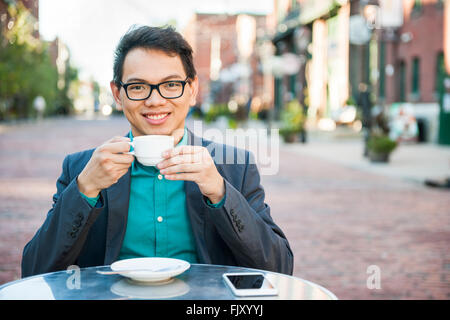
[311, 10]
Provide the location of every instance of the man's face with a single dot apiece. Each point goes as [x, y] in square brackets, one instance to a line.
[155, 115]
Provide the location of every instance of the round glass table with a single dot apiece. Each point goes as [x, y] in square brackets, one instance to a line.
[199, 282]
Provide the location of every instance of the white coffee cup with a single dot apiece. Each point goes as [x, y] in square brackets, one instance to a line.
[148, 149]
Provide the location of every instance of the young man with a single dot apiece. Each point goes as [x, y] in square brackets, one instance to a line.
[109, 207]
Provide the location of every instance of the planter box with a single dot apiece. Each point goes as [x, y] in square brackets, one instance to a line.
[378, 157]
[295, 137]
[290, 137]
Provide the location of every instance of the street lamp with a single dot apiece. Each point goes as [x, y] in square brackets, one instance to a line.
[361, 33]
[370, 11]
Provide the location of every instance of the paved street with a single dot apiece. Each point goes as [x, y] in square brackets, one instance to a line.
[340, 219]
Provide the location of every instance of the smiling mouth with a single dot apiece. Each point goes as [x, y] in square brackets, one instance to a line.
[156, 119]
[156, 116]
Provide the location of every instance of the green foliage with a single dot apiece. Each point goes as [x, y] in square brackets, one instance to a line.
[25, 74]
[215, 111]
[26, 70]
[253, 115]
[292, 118]
[232, 123]
[380, 143]
[350, 101]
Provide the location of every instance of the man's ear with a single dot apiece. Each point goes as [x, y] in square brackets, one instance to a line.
[193, 85]
[116, 95]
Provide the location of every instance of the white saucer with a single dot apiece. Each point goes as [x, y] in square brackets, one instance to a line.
[172, 267]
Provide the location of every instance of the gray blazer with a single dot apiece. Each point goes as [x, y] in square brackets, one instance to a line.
[241, 233]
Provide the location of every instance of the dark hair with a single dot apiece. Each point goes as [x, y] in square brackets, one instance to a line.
[165, 39]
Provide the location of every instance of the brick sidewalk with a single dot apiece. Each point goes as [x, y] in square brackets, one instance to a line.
[339, 220]
[30, 162]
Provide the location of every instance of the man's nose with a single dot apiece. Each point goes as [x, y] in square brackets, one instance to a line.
[155, 99]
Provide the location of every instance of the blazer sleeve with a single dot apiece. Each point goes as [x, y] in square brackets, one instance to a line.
[245, 224]
[58, 242]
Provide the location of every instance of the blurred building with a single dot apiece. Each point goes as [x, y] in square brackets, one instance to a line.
[411, 63]
[312, 41]
[339, 50]
[415, 50]
[59, 55]
[227, 58]
[290, 39]
[85, 99]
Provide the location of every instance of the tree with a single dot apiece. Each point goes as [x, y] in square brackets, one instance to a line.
[26, 70]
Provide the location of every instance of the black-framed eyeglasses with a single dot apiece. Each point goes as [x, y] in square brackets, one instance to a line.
[171, 89]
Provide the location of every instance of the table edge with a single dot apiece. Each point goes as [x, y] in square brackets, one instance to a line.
[328, 292]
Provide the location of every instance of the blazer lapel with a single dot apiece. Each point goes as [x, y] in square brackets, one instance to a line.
[118, 196]
[194, 205]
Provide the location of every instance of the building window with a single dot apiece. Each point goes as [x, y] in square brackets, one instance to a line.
[278, 96]
[293, 85]
[440, 73]
[415, 80]
[401, 82]
[417, 8]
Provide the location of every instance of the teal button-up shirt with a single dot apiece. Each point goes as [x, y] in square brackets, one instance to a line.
[158, 224]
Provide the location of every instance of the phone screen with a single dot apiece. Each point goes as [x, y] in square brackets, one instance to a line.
[253, 281]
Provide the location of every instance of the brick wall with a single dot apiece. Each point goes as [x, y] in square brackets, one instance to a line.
[199, 33]
[201, 30]
[424, 28]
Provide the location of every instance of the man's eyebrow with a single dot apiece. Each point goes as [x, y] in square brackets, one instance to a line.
[170, 77]
[135, 80]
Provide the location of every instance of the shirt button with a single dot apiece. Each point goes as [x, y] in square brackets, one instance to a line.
[160, 177]
[160, 219]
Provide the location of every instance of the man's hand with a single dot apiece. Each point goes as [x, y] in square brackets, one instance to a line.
[194, 163]
[106, 166]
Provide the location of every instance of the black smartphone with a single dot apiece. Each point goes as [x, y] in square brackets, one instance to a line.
[250, 284]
